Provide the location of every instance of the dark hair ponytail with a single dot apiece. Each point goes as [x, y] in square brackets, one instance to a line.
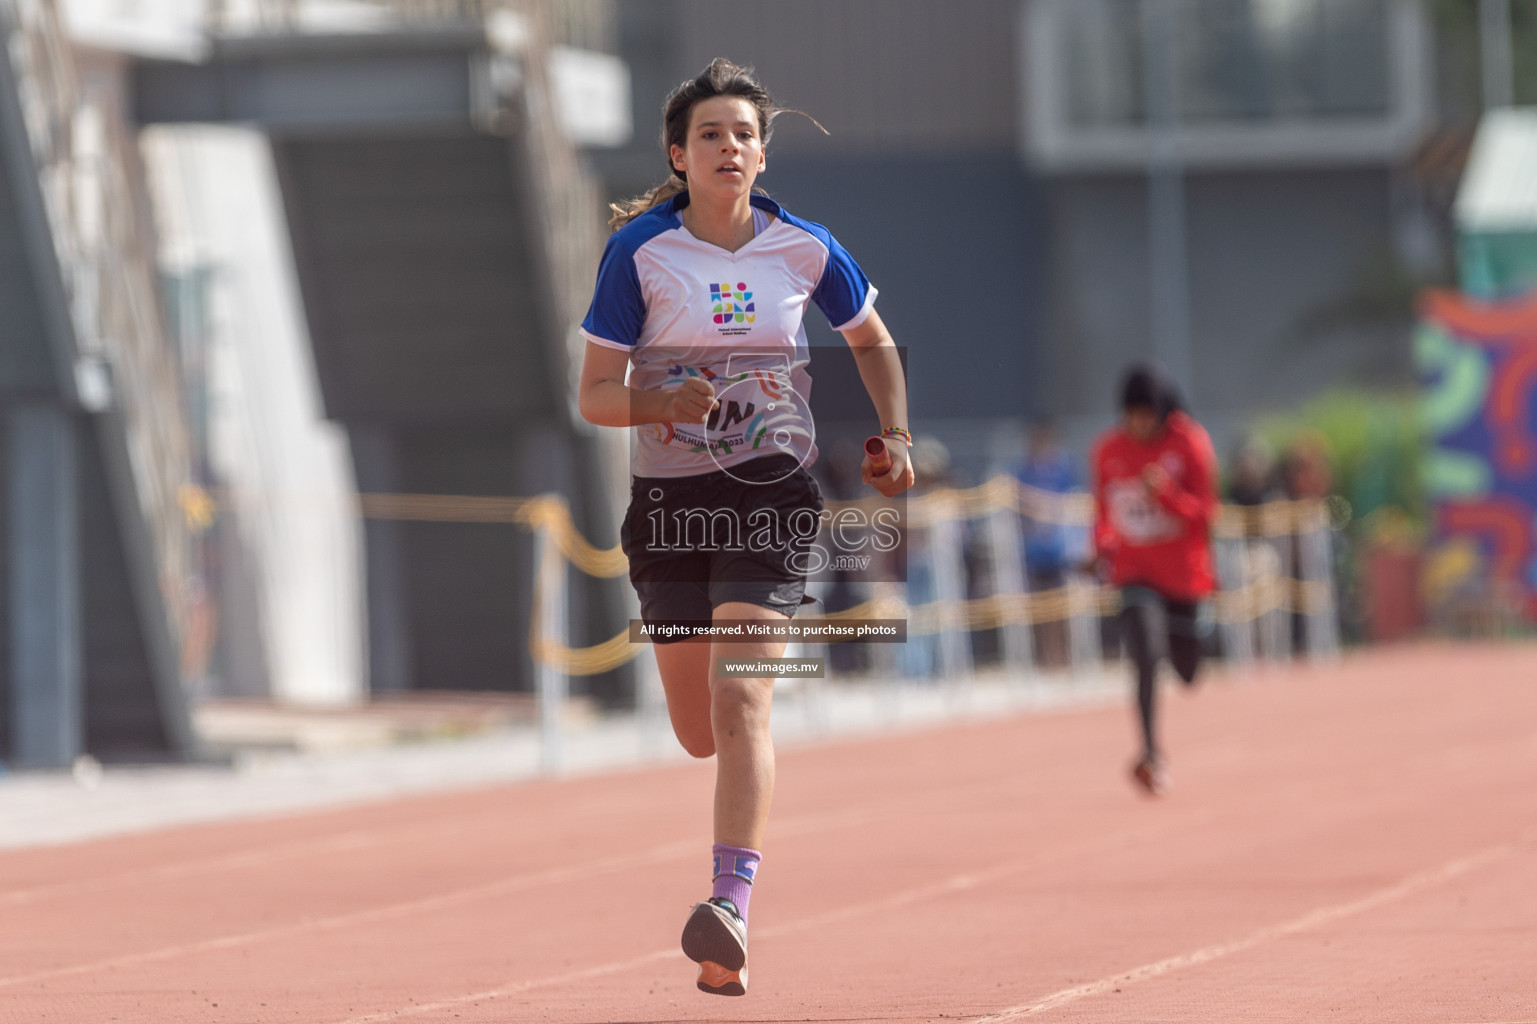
[721, 78]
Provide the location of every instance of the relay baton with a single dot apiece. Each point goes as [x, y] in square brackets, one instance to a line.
[880, 458]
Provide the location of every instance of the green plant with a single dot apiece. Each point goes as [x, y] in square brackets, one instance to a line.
[1374, 444]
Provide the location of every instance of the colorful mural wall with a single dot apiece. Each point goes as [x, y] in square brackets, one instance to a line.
[1478, 364]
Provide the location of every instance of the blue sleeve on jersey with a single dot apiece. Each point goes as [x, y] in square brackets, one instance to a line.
[843, 290]
[618, 310]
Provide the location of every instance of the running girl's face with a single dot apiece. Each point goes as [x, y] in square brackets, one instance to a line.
[1140, 421]
[723, 153]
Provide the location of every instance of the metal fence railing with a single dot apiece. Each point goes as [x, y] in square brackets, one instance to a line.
[88, 165]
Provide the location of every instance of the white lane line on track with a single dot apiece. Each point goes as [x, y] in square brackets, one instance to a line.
[341, 842]
[654, 855]
[1313, 919]
[945, 887]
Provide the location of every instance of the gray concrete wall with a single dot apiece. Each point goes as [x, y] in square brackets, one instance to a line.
[1017, 293]
[957, 247]
[1291, 288]
[909, 76]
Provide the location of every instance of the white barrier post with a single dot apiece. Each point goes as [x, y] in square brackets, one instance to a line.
[1262, 559]
[1009, 584]
[813, 699]
[1286, 550]
[884, 661]
[883, 656]
[1238, 624]
[1318, 584]
[550, 602]
[651, 702]
[651, 720]
[950, 592]
[1085, 645]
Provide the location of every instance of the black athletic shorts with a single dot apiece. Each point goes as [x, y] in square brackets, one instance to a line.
[741, 534]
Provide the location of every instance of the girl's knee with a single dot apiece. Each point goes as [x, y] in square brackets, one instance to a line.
[741, 696]
[740, 707]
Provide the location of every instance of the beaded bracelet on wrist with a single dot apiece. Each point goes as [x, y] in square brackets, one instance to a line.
[900, 434]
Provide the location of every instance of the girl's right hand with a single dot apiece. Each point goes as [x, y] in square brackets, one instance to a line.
[692, 402]
[896, 479]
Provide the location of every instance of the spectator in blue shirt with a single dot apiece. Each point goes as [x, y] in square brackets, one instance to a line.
[1051, 546]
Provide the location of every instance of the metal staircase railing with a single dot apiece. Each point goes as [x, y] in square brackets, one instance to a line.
[568, 203]
[120, 360]
[517, 95]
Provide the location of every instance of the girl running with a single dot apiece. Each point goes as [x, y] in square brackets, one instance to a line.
[1155, 497]
[699, 298]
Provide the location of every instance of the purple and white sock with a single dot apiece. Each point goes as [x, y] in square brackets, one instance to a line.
[735, 869]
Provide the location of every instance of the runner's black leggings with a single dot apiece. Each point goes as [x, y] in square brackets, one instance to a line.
[1155, 628]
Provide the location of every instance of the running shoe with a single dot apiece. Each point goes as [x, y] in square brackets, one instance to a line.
[715, 938]
[1152, 776]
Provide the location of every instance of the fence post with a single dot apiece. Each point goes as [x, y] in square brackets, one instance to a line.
[1270, 580]
[1237, 620]
[651, 701]
[1318, 583]
[1257, 557]
[550, 607]
[1085, 646]
[950, 592]
[651, 719]
[883, 656]
[813, 703]
[1009, 584]
[1285, 587]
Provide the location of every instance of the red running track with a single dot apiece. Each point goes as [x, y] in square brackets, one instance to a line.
[1352, 843]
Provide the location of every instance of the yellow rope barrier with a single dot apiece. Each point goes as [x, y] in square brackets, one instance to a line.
[995, 611]
[552, 515]
[586, 661]
[443, 508]
[1273, 519]
[548, 512]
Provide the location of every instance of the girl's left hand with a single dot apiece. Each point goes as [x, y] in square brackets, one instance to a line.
[900, 477]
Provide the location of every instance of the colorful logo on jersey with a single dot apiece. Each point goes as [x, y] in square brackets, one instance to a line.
[679, 370]
[732, 305]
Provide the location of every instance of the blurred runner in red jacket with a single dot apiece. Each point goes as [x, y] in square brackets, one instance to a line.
[1155, 492]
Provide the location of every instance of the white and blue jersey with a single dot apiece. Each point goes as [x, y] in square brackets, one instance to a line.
[681, 307]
